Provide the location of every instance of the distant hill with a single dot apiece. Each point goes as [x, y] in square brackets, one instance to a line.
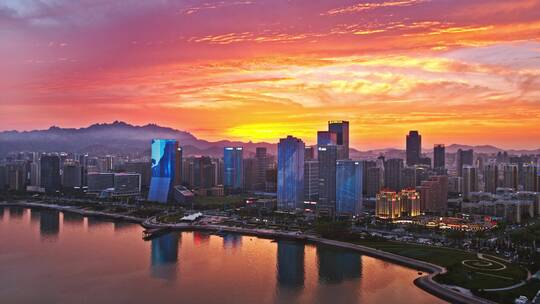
[116, 137]
[120, 137]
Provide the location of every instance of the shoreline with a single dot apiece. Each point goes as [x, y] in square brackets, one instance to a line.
[425, 282]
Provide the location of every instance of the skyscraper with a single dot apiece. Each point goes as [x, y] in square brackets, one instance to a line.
[470, 181]
[72, 175]
[311, 180]
[233, 172]
[375, 181]
[530, 176]
[388, 205]
[326, 138]
[464, 158]
[414, 148]
[164, 169]
[439, 157]
[290, 173]
[348, 187]
[392, 173]
[262, 164]
[341, 128]
[409, 202]
[50, 173]
[510, 176]
[327, 156]
[491, 177]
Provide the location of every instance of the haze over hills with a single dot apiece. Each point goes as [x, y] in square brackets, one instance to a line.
[120, 137]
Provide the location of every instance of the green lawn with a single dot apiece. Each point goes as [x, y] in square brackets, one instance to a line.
[218, 202]
[451, 259]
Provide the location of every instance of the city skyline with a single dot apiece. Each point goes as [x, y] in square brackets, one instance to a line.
[461, 72]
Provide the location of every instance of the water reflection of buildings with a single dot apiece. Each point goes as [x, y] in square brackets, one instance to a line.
[165, 256]
[34, 216]
[72, 219]
[200, 238]
[119, 226]
[1, 212]
[231, 240]
[16, 212]
[49, 224]
[290, 264]
[337, 265]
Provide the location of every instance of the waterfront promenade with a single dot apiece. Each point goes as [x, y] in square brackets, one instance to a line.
[426, 282]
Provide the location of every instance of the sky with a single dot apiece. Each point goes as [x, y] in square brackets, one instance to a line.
[459, 71]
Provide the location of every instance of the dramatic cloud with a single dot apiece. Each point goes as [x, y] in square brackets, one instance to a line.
[459, 71]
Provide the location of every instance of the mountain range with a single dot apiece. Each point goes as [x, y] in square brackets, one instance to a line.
[120, 137]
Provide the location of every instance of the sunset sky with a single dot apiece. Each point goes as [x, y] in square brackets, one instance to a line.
[459, 71]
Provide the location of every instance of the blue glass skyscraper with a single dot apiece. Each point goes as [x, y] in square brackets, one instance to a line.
[290, 173]
[165, 166]
[348, 187]
[233, 169]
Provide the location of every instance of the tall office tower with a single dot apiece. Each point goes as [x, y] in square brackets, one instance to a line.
[439, 159]
[374, 177]
[464, 158]
[408, 178]
[310, 153]
[72, 175]
[178, 166]
[470, 181]
[271, 179]
[491, 177]
[35, 174]
[392, 173]
[388, 205]
[164, 169]
[434, 195]
[290, 173]
[202, 173]
[250, 172]
[409, 202]
[366, 164]
[311, 180]
[261, 166]
[414, 148]
[455, 184]
[327, 156]
[530, 176]
[16, 175]
[348, 187]
[341, 128]
[3, 177]
[233, 172]
[50, 173]
[510, 176]
[326, 138]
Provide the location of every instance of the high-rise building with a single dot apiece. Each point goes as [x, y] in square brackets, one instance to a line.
[327, 156]
[203, 173]
[341, 128]
[510, 176]
[326, 138]
[16, 175]
[491, 177]
[464, 158]
[530, 176]
[50, 173]
[439, 156]
[375, 181]
[414, 148]
[408, 178]
[165, 166]
[409, 202]
[250, 172]
[392, 173]
[3, 177]
[233, 172]
[144, 168]
[366, 164]
[72, 175]
[311, 180]
[434, 195]
[348, 187]
[470, 181]
[388, 205]
[290, 173]
[262, 164]
[178, 166]
[310, 153]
